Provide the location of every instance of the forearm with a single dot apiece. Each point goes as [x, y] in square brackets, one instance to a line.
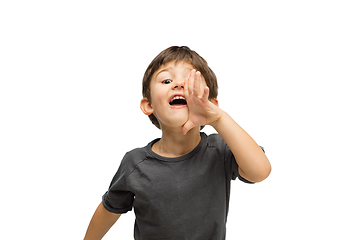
[253, 163]
[100, 223]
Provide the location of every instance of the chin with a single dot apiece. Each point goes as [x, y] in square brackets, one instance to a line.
[175, 123]
[179, 123]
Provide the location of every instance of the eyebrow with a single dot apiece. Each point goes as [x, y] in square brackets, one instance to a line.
[163, 70]
[170, 68]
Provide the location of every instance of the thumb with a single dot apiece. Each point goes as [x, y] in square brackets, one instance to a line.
[187, 126]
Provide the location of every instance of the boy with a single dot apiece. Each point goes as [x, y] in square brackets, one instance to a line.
[179, 185]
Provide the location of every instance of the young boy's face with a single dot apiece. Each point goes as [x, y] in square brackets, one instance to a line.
[168, 102]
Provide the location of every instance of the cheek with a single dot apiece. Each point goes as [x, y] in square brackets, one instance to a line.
[159, 106]
[156, 98]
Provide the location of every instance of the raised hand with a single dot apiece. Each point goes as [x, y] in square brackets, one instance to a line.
[202, 111]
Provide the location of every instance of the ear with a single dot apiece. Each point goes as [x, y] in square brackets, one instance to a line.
[146, 106]
[214, 101]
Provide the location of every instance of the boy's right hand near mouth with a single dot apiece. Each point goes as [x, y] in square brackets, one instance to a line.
[202, 111]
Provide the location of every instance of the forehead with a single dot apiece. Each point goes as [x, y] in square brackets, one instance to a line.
[173, 66]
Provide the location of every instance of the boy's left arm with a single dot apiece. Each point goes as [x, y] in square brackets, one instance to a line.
[253, 163]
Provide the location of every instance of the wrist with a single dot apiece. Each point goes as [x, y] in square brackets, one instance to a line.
[219, 120]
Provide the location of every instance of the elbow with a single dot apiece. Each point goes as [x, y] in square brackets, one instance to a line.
[263, 174]
[257, 173]
[259, 176]
[263, 169]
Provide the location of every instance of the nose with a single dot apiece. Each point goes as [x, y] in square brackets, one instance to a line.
[179, 83]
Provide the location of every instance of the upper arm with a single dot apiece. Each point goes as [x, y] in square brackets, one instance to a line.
[262, 170]
[243, 175]
[261, 174]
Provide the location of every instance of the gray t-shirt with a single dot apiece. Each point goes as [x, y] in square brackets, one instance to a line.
[176, 198]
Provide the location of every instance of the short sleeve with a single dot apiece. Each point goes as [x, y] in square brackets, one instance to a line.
[232, 165]
[119, 199]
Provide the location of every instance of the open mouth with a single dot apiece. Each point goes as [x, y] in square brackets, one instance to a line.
[178, 100]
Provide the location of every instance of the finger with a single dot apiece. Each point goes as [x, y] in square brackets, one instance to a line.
[186, 127]
[191, 81]
[184, 130]
[205, 96]
[186, 86]
[197, 84]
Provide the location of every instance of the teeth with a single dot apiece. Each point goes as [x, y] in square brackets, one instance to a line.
[177, 97]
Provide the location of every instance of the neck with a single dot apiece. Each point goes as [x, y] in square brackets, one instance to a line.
[175, 144]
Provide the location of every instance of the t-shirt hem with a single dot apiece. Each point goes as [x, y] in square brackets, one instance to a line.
[245, 180]
[113, 210]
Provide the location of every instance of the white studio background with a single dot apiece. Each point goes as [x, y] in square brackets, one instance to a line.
[70, 90]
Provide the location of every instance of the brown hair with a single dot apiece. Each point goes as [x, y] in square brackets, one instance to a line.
[177, 54]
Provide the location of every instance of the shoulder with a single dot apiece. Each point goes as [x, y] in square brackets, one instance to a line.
[133, 158]
[215, 140]
[136, 153]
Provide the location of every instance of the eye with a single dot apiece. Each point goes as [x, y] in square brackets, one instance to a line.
[167, 81]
